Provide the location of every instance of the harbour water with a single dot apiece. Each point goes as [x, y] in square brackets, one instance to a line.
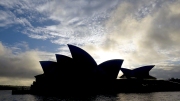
[5, 95]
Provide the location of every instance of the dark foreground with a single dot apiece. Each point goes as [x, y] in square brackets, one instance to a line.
[153, 96]
[102, 87]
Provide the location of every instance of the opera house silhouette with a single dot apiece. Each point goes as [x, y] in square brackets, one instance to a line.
[138, 73]
[82, 74]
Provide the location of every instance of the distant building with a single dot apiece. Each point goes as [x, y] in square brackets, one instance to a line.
[138, 73]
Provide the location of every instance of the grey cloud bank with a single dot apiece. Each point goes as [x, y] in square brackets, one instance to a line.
[18, 69]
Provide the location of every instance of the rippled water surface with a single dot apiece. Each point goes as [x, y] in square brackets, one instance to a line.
[5, 95]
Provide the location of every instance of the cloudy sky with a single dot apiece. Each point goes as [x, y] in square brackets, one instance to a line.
[142, 32]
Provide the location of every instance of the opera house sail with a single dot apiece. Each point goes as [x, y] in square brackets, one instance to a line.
[138, 73]
[80, 72]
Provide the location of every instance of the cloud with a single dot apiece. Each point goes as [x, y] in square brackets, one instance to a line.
[61, 22]
[142, 33]
[19, 67]
[166, 72]
[14, 12]
[6, 18]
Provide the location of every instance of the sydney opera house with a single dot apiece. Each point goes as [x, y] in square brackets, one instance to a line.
[138, 73]
[80, 73]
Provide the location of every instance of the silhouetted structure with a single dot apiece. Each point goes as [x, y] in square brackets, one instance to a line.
[138, 73]
[81, 75]
[80, 72]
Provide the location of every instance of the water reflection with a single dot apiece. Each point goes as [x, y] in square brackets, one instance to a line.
[156, 96]
[135, 97]
[82, 98]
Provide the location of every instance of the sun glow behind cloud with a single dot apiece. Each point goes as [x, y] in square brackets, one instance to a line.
[147, 29]
[141, 32]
